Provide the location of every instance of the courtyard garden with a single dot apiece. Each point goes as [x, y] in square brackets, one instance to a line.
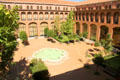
[60, 55]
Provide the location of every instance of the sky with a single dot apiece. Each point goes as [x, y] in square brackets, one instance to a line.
[75, 0]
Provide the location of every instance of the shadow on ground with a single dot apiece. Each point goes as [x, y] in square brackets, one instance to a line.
[87, 73]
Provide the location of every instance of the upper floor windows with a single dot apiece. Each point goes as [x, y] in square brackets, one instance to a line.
[116, 18]
[118, 6]
[28, 7]
[91, 17]
[102, 17]
[96, 17]
[29, 16]
[83, 16]
[87, 17]
[41, 16]
[9, 7]
[35, 16]
[108, 17]
[23, 16]
[37, 7]
[79, 16]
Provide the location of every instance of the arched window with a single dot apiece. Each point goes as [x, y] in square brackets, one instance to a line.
[29, 16]
[51, 16]
[91, 17]
[87, 17]
[116, 18]
[23, 16]
[102, 17]
[83, 16]
[79, 16]
[33, 29]
[41, 16]
[108, 17]
[35, 15]
[9, 7]
[31, 7]
[22, 27]
[61, 16]
[37, 7]
[46, 16]
[96, 17]
[41, 7]
[27, 7]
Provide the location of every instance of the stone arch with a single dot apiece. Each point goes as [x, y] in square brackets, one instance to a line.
[116, 18]
[93, 33]
[33, 31]
[22, 27]
[77, 28]
[103, 32]
[116, 36]
[43, 25]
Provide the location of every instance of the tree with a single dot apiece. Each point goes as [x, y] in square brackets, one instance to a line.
[67, 26]
[8, 25]
[57, 25]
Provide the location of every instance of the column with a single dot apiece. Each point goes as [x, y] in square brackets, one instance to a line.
[98, 33]
[105, 17]
[88, 31]
[27, 29]
[74, 28]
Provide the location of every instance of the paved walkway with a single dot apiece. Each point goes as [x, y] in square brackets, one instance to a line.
[68, 69]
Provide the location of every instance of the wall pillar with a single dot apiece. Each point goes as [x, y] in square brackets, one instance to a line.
[81, 28]
[27, 29]
[98, 33]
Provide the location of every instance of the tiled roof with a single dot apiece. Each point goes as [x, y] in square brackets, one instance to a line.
[60, 2]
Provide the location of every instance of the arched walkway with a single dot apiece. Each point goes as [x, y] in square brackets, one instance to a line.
[93, 29]
[85, 28]
[43, 25]
[22, 27]
[103, 32]
[116, 36]
[33, 29]
[77, 28]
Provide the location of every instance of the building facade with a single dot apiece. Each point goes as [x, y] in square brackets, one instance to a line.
[96, 18]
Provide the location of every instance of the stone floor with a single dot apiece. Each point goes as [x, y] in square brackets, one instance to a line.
[71, 68]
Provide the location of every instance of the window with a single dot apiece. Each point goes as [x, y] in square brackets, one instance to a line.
[51, 16]
[41, 16]
[83, 17]
[102, 17]
[46, 16]
[66, 15]
[41, 7]
[96, 17]
[61, 16]
[87, 17]
[23, 16]
[108, 17]
[118, 6]
[35, 15]
[31, 7]
[76, 16]
[9, 7]
[29, 16]
[116, 18]
[58, 8]
[47, 8]
[55, 8]
[20, 6]
[79, 16]
[22, 27]
[37, 7]
[91, 17]
[27, 7]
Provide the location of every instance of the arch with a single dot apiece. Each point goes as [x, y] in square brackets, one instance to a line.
[93, 29]
[43, 25]
[85, 27]
[108, 17]
[51, 16]
[33, 29]
[22, 27]
[103, 32]
[77, 28]
[102, 17]
[116, 36]
[116, 18]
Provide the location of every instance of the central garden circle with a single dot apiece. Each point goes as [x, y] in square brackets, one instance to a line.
[50, 54]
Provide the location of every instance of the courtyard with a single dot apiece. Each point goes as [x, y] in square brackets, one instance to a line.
[69, 68]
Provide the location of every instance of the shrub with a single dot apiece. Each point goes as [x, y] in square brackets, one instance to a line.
[23, 36]
[46, 31]
[98, 59]
[85, 34]
[97, 43]
[39, 70]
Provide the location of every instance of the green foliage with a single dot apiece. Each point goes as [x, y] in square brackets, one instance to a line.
[23, 36]
[46, 31]
[97, 43]
[107, 44]
[57, 24]
[93, 38]
[85, 34]
[98, 59]
[8, 25]
[39, 70]
[63, 38]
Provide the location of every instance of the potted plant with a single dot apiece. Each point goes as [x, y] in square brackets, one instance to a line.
[24, 38]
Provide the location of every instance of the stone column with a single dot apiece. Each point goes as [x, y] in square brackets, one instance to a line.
[27, 29]
[98, 33]
[105, 17]
[88, 31]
